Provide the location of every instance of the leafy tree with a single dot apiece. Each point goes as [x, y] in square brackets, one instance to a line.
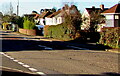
[1, 14]
[7, 18]
[95, 19]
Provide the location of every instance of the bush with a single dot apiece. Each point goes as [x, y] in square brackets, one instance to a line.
[29, 23]
[110, 37]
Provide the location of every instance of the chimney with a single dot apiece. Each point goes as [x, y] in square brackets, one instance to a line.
[102, 7]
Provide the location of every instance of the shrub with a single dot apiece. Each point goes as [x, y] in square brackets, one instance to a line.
[60, 31]
[29, 23]
[110, 37]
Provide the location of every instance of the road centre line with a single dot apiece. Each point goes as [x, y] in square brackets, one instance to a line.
[45, 47]
[77, 47]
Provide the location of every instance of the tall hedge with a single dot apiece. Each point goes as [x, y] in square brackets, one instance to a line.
[110, 37]
[28, 23]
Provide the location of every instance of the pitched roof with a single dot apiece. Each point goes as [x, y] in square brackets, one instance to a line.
[54, 14]
[90, 10]
[44, 14]
[114, 9]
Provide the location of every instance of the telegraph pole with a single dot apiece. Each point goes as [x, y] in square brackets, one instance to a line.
[18, 8]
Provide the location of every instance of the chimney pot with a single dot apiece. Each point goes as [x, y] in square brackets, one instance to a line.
[102, 7]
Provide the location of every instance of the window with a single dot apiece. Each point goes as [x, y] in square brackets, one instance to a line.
[116, 17]
[109, 16]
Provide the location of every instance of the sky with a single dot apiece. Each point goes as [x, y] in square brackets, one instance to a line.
[27, 6]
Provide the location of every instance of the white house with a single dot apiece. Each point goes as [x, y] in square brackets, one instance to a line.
[87, 15]
[54, 19]
[59, 16]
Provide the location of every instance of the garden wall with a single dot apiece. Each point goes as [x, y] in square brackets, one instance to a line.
[28, 31]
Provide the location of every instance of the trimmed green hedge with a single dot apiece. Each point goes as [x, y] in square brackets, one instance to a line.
[110, 37]
[60, 31]
[29, 23]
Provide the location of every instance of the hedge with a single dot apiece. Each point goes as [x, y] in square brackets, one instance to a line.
[29, 23]
[60, 31]
[110, 37]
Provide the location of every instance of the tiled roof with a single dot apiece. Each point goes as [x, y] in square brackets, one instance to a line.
[114, 9]
[44, 14]
[90, 10]
[54, 14]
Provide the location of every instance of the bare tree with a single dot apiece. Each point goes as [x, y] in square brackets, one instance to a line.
[7, 9]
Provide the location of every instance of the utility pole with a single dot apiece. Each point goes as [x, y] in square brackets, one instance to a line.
[18, 8]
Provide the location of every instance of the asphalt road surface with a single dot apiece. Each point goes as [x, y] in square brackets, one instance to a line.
[54, 57]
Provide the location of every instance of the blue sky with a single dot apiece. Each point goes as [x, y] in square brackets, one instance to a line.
[27, 6]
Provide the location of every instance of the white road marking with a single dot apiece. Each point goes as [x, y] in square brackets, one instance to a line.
[41, 73]
[77, 47]
[15, 60]
[11, 58]
[45, 47]
[32, 69]
[20, 63]
[27, 66]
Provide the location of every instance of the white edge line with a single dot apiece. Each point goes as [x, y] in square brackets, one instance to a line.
[32, 69]
[27, 66]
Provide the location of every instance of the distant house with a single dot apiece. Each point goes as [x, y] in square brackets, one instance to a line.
[59, 16]
[54, 19]
[34, 15]
[87, 15]
[112, 16]
[42, 17]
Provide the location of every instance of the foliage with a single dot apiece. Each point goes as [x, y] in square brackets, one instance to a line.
[7, 18]
[69, 29]
[28, 23]
[110, 37]
[93, 20]
[1, 14]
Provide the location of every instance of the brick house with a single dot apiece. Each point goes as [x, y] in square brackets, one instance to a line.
[112, 16]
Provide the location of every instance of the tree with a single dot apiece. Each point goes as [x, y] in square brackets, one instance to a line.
[91, 22]
[7, 9]
[1, 14]
[95, 19]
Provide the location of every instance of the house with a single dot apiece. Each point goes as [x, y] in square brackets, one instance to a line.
[54, 18]
[42, 17]
[59, 16]
[89, 13]
[112, 16]
[34, 15]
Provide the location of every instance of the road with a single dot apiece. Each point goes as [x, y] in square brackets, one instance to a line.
[54, 57]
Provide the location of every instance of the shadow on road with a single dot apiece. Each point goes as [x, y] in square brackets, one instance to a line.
[10, 73]
[20, 44]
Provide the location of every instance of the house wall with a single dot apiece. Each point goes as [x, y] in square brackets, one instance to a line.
[53, 21]
[109, 20]
[86, 22]
[42, 21]
[117, 20]
[113, 20]
[59, 20]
